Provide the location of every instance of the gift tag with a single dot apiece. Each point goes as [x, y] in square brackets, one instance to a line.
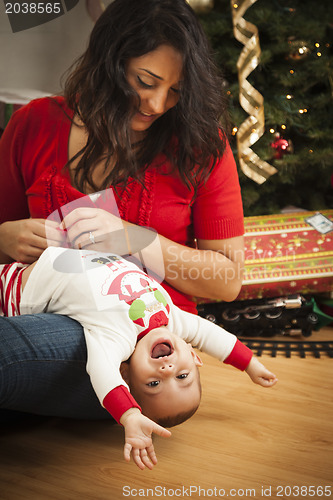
[320, 222]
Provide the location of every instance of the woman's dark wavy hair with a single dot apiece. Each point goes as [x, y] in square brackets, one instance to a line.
[97, 90]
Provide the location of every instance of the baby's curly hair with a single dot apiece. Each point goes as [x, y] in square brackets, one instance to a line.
[173, 420]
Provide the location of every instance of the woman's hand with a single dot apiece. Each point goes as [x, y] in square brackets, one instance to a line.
[95, 229]
[213, 270]
[25, 240]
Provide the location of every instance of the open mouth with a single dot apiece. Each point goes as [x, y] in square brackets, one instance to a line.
[161, 349]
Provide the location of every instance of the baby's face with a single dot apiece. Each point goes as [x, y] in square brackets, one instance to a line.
[163, 374]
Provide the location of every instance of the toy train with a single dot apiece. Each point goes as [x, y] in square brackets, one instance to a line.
[291, 315]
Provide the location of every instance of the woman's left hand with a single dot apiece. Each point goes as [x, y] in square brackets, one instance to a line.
[95, 229]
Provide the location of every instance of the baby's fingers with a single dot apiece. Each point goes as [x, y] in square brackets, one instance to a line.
[140, 456]
[127, 452]
[161, 431]
[141, 459]
[152, 454]
[268, 381]
[149, 460]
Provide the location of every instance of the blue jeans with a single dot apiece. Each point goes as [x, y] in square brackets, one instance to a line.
[43, 368]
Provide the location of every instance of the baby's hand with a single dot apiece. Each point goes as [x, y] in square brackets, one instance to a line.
[138, 438]
[259, 374]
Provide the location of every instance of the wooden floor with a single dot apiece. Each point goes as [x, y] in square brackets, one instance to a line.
[244, 442]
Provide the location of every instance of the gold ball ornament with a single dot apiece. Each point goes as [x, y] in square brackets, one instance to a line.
[201, 6]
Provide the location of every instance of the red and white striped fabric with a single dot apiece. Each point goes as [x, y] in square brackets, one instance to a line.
[10, 288]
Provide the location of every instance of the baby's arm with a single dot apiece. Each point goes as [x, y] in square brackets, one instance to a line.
[219, 343]
[120, 403]
[104, 372]
[138, 438]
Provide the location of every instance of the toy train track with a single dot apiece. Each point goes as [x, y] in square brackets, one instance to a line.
[289, 348]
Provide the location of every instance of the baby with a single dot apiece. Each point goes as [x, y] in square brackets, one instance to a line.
[141, 362]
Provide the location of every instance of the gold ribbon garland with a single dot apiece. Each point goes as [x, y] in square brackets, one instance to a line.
[201, 5]
[250, 99]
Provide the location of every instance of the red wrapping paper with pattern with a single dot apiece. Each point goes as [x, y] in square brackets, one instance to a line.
[285, 255]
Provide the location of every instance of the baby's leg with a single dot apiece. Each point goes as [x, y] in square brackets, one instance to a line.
[13, 278]
[11, 288]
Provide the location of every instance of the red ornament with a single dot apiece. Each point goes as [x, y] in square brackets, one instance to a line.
[281, 146]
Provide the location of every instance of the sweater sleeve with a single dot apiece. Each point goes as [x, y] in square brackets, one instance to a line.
[119, 400]
[210, 338]
[218, 209]
[103, 367]
[240, 356]
[13, 200]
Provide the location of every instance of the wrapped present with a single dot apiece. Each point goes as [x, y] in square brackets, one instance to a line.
[11, 100]
[288, 253]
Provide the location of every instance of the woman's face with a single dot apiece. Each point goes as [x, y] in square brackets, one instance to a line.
[157, 78]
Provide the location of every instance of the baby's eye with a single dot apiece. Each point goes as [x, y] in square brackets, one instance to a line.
[154, 383]
[183, 375]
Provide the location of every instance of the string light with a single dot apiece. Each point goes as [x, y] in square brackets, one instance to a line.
[291, 71]
[319, 54]
[234, 130]
[301, 111]
[272, 131]
[289, 96]
[283, 127]
[302, 50]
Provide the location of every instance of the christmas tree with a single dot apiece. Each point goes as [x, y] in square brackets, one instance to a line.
[295, 77]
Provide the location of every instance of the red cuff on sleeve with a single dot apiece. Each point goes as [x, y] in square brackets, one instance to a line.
[240, 356]
[119, 400]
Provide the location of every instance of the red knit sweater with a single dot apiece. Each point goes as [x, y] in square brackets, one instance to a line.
[34, 150]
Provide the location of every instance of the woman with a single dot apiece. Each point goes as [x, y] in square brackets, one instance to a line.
[140, 114]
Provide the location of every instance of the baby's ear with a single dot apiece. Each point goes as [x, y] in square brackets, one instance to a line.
[124, 371]
[196, 357]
